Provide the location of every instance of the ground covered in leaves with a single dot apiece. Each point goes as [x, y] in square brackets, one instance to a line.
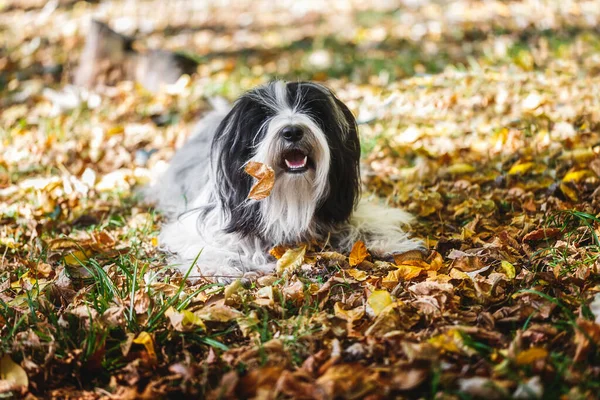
[481, 118]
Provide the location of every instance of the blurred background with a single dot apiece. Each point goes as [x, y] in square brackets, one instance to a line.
[117, 85]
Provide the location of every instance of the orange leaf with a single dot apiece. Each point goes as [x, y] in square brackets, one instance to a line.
[539, 234]
[265, 180]
[531, 355]
[408, 272]
[358, 253]
[278, 251]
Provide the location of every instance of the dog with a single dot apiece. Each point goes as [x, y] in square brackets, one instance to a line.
[310, 139]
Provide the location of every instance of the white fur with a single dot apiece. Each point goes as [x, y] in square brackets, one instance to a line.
[196, 225]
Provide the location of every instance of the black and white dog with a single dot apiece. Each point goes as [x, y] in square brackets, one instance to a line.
[310, 139]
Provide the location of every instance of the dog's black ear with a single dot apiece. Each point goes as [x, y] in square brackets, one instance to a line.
[344, 173]
[232, 147]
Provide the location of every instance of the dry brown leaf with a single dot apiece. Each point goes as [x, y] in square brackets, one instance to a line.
[265, 176]
[540, 234]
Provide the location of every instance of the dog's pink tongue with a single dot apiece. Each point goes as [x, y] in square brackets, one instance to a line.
[295, 160]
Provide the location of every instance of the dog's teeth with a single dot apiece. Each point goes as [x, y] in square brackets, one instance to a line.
[296, 166]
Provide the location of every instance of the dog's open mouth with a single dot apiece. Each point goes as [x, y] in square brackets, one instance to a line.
[296, 161]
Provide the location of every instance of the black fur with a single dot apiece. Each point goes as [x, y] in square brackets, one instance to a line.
[238, 134]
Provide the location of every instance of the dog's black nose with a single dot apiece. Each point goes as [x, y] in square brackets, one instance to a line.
[292, 133]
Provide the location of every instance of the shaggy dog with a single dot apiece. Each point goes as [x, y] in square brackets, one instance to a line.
[310, 139]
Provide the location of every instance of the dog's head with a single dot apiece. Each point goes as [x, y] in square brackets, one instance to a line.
[310, 139]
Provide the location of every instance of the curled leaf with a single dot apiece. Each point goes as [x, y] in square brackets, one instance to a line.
[265, 180]
[145, 340]
[291, 260]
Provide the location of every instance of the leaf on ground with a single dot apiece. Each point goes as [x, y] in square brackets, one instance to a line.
[529, 356]
[408, 272]
[508, 268]
[357, 274]
[540, 234]
[291, 260]
[576, 176]
[521, 168]
[379, 300]
[184, 320]
[265, 177]
[358, 253]
[145, 339]
[278, 251]
[12, 372]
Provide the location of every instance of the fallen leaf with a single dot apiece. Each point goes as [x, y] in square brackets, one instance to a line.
[521, 168]
[145, 340]
[461, 168]
[576, 176]
[531, 355]
[265, 176]
[278, 251]
[539, 234]
[408, 272]
[358, 253]
[357, 274]
[508, 268]
[569, 191]
[291, 260]
[12, 372]
[184, 320]
[379, 300]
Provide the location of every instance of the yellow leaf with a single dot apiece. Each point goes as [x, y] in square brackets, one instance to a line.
[568, 191]
[189, 318]
[531, 355]
[183, 320]
[218, 312]
[145, 340]
[115, 130]
[348, 315]
[379, 300]
[436, 263]
[291, 260]
[77, 257]
[391, 279]
[265, 177]
[408, 272]
[520, 169]
[509, 269]
[451, 341]
[357, 274]
[460, 168]
[358, 253]
[154, 242]
[12, 372]
[576, 176]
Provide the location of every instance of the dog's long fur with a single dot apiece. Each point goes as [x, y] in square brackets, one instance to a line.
[204, 191]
